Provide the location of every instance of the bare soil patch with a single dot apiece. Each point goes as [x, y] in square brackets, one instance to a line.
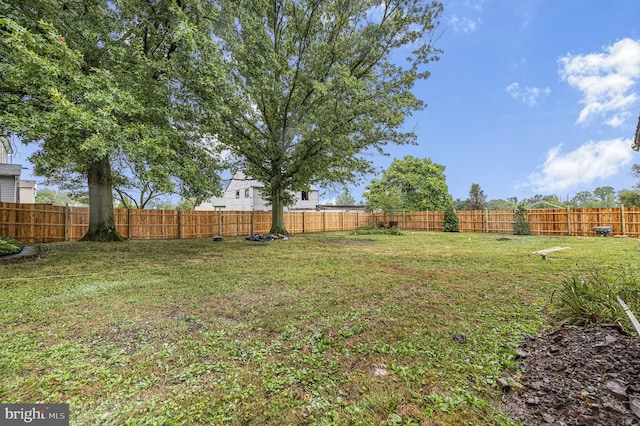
[577, 376]
[350, 240]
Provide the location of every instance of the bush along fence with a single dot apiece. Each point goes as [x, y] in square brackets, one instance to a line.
[42, 223]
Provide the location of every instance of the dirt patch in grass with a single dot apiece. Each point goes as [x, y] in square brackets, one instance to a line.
[349, 241]
[576, 376]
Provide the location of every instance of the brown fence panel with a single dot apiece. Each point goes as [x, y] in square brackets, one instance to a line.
[548, 221]
[294, 222]
[501, 221]
[413, 221]
[39, 223]
[436, 221]
[583, 221]
[32, 223]
[198, 223]
[351, 221]
[154, 224]
[606, 217]
[122, 217]
[471, 220]
[262, 222]
[632, 221]
[237, 223]
[333, 221]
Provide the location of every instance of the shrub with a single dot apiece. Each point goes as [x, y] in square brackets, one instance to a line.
[372, 229]
[521, 225]
[9, 246]
[588, 295]
[450, 219]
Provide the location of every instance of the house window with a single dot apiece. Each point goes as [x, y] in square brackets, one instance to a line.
[305, 196]
[246, 193]
[238, 193]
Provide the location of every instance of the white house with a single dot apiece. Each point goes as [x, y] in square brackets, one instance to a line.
[9, 174]
[213, 203]
[244, 193]
[28, 191]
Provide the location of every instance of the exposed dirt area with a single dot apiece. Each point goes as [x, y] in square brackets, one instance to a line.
[349, 241]
[576, 376]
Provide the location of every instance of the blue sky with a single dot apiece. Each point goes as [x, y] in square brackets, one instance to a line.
[529, 97]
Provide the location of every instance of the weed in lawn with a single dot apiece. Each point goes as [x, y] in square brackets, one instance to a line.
[587, 295]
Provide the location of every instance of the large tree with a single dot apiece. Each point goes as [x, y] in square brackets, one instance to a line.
[629, 197]
[414, 184]
[92, 81]
[477, 198]
[317, 85]
[345, 199]
[605, 195]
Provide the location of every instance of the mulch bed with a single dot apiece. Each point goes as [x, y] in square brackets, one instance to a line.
[27, 254]
[577, 376]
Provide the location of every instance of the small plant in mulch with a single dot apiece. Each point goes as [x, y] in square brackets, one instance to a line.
[587, 295]
[376, 229]
[9, 246]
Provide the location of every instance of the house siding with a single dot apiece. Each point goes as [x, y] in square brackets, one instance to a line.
[255, 201]
[9, 183]
[310, 204]
[9, 189]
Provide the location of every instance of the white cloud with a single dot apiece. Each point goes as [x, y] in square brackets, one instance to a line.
[606, 81]
[464, 24]
[591, 161]
[528, 95]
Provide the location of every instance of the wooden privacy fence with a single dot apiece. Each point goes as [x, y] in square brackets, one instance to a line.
[42, 223]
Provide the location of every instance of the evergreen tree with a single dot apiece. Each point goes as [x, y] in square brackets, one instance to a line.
[477, 199]
[451, 221]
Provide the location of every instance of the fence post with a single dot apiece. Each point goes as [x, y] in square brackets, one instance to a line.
[568, 220]
[342, 220]
[220, 222]
[324, 221]
[253, 226]
[129, 226]
[426, 219]
[486, 220]
[179, 224]
[66, 222]
[624, 223]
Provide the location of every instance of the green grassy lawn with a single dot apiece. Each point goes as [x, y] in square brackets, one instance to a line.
[320, 329]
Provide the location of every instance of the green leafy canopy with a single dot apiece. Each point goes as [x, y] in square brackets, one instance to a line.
[315, 86]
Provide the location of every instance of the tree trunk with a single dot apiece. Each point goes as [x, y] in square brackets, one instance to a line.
[277, 212]
[102, 223]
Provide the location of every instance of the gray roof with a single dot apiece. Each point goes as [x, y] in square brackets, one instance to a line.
[10, 169]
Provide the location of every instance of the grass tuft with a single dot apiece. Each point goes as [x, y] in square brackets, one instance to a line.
[587, 295]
